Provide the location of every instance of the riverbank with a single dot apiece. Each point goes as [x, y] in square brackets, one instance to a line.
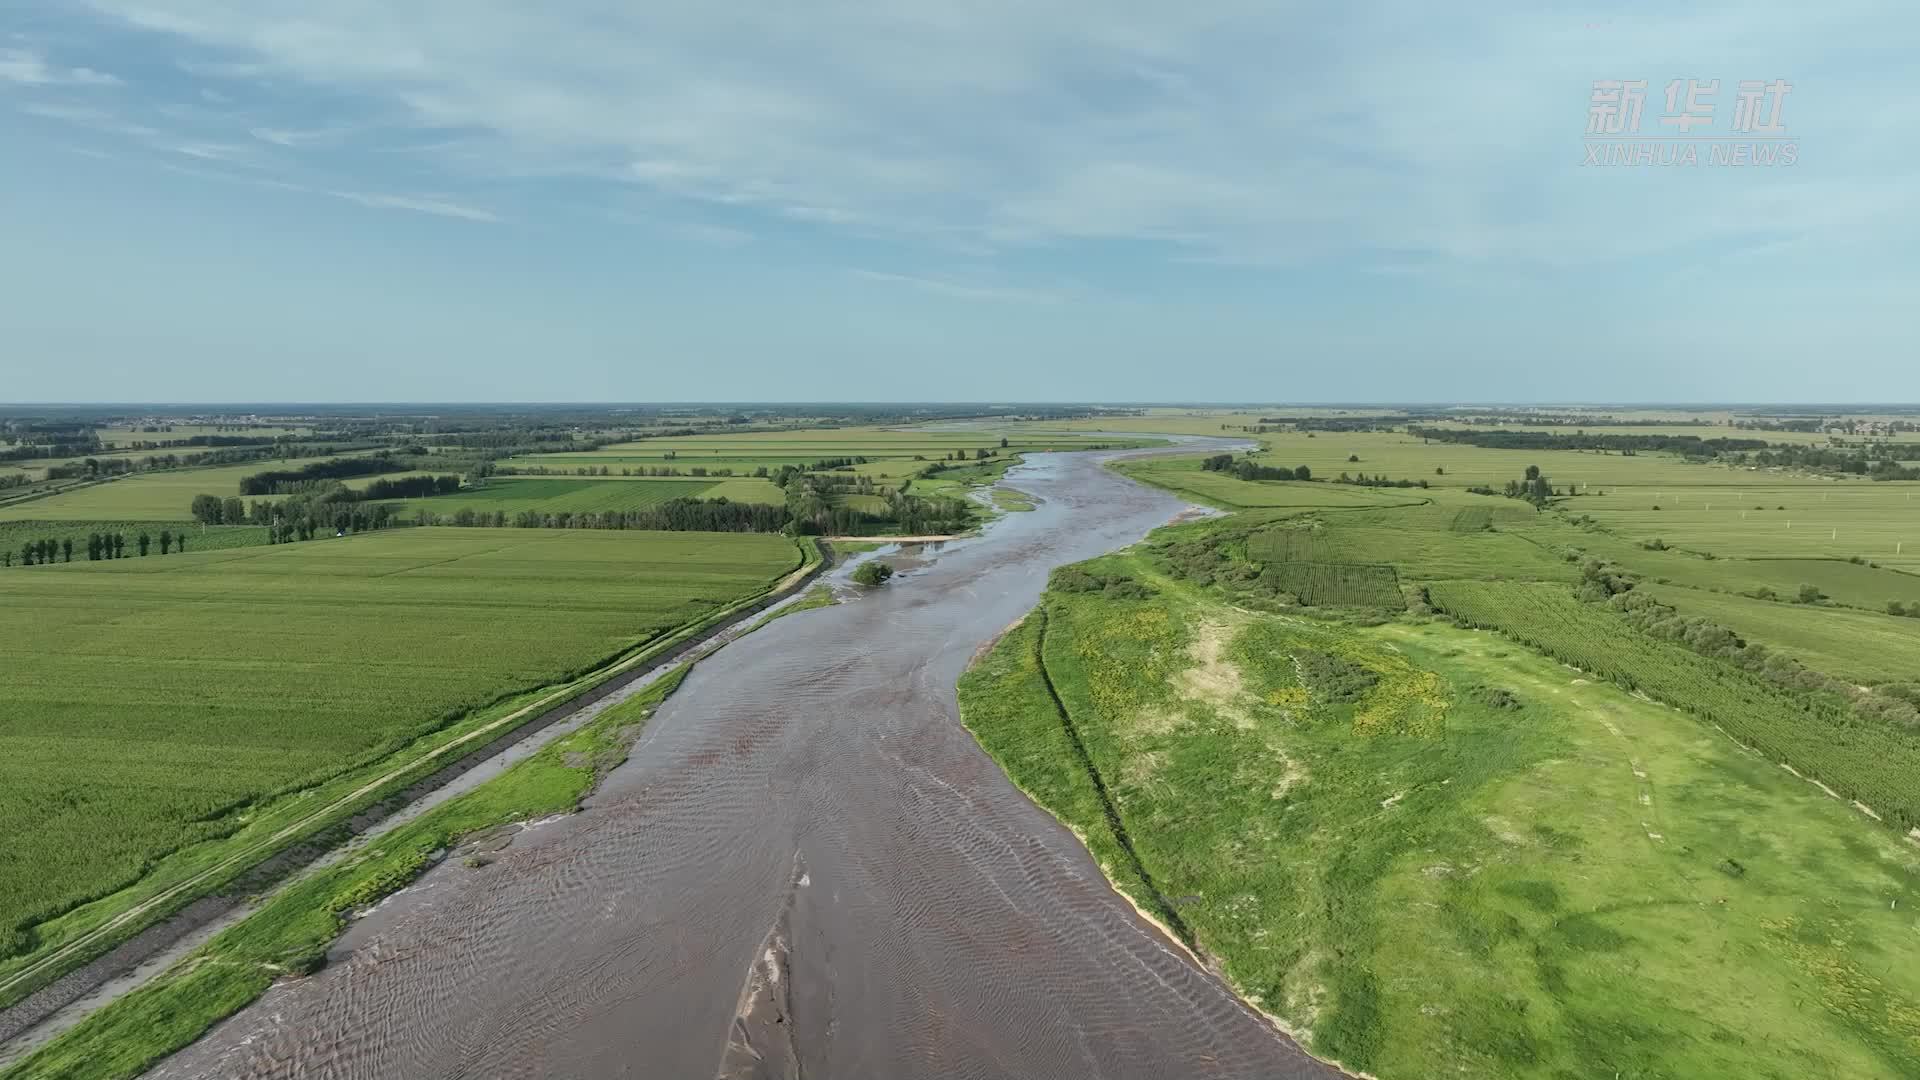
[1427, 849]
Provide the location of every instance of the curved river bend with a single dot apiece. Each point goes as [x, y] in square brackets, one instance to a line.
[806, 868]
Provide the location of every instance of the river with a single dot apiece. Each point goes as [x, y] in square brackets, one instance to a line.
[806, 868]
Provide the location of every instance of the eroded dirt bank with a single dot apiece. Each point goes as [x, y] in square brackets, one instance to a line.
[806, 868]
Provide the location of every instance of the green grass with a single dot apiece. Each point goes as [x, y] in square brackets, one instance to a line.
[166, 699]
[1858, 646]
[872, 504]
[547, 495]
[1425, 882]
[1424, 542]
[1184, 475]
[817, 597]
[747, 489]
[1863, 759]
[1339, 584]
[1013, 500]
[1808, 520]
[1861, 584]
[892, 454]
[292, 931]
[152, 496]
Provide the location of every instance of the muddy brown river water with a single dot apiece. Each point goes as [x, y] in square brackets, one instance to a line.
[806, 869]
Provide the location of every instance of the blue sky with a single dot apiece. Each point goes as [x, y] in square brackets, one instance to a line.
[377, 200]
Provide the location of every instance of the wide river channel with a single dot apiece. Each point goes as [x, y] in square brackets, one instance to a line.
[807, 868]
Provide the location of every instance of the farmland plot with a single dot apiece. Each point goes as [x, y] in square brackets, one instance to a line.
[152, 701]
[1863, 759]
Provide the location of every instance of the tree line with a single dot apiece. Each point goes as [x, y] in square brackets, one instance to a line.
[675, 515]
[99, 546]
[273, 481]
[603, 470]
[206, 440]
[62, 447]
[1243, 469]
[1881, 461]
[1686, 445]
[1604, 582]
[93, 468]
[1380, 481]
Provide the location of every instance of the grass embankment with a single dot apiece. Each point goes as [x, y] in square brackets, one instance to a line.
[292, 930]
[1430, 851]
[234, 753]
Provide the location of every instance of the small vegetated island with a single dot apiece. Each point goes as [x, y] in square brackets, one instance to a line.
[1458, 766]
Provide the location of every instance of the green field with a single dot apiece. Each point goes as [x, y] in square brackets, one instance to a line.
[1448, 539]
[747, 489]
[1822, 519]
[892, 454]
[1858, 646]
[163, 495]
[1185, 476]
[1730, 512]
[162, 699]
[1432, 853]
[544, 494]
[1861, 585]
[1862, 759]
[293, 930]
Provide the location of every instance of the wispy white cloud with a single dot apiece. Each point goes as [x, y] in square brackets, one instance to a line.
[296, 138]
[1239, 132]
[435, 206]
[24, 68]
[211, 151]
[91, 117]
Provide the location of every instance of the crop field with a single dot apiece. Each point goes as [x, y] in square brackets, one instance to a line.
[747, 489]
[1424, 542]
[548, 494]
[155, 496]
[1452, 465]
[1820, 519]
[1858, 585]
[1864, 760]
[1339, 584]
[150, 496]
[152, 701]
[892, 454]
[1428, 850]
[1859, 646]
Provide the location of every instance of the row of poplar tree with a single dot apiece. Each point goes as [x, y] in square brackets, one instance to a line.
[99, 546]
